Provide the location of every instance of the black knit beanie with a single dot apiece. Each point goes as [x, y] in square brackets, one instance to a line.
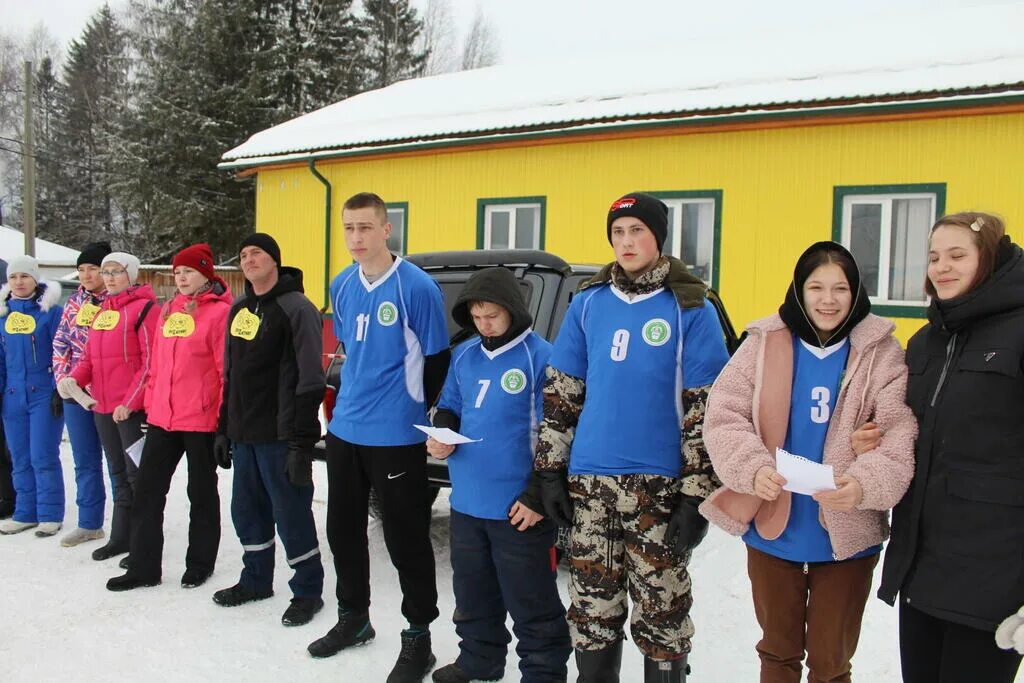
[93, 253]
[264, 242]
[651, 210]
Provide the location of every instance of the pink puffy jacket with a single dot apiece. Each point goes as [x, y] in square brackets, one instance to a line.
[187, 379]
[117, 360]
[748, 415]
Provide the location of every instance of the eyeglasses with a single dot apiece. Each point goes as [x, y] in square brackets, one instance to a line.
[113, 273]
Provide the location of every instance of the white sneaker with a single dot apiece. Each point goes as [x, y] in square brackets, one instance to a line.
[80, 535]
[48, 529]
[9, 526]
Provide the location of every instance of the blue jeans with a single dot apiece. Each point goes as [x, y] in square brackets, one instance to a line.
[499, 569]
[91, 496]
[262, 497]
[33, 437]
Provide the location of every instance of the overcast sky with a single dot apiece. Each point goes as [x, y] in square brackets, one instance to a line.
[537, 30]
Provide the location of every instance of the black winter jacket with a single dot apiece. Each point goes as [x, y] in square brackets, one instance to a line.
[957, 548]
[274, 378]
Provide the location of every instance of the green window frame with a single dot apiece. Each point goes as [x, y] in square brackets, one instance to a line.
[898, 253]
[704, 201]
[398, 243]
[486, 208]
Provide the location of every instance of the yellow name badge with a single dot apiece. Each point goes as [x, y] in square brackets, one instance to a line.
[19, 323]
[179, 325]
[107, 320]
[86, 314]
[245, 325]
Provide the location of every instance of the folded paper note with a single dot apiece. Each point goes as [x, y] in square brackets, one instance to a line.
[445, 435]
[803, 475]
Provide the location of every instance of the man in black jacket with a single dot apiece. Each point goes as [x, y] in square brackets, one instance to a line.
[273, 385]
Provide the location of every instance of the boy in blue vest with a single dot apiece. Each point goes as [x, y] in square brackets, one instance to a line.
[621, 453]
[501, 546]
[389, 316]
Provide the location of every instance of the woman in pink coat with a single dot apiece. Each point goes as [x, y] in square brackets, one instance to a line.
[804, 381]
[116, 368]
[182, 404]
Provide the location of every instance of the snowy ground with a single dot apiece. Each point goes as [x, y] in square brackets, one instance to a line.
[60, 623]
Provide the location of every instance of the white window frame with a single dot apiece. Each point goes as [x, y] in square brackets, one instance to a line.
[404, 231]
[885, 243]
[675, 230]
[491, 209]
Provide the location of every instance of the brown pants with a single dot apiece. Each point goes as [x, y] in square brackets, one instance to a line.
[815, 608]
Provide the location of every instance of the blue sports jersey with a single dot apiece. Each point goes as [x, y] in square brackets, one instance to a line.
[497, 395]
[817, 378]
[636, 356]
[387, 328]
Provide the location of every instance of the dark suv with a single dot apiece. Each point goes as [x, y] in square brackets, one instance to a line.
[548, 284]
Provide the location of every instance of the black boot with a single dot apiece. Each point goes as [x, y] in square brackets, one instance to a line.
[129, 582]
[599, 666]
[120, 532]
[353, 628]
[672, 671]
[416, 658]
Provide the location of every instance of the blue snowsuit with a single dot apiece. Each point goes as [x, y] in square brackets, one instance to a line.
[33, 434]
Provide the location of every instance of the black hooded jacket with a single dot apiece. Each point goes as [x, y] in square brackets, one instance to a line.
[958, 534]
[274, 382]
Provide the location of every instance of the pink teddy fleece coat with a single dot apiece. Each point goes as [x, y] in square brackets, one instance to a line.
[748, 415]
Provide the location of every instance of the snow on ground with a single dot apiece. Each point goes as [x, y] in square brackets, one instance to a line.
[60, 622]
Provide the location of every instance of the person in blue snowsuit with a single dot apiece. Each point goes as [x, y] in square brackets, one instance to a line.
[32, 412]
[501, 545]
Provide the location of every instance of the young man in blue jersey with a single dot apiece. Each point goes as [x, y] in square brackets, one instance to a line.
[389, 316]
[501, 546]
[621, 455]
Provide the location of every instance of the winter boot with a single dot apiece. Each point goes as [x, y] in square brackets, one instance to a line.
[194, 578]
[301, 611]
[79, 536]
[120, 532]
[599, 666]
[9, 526]
[129, 582]
[672, 671]
[452, 673]
[239, 595]
[353, 628]
[415, 660]
[48, 529]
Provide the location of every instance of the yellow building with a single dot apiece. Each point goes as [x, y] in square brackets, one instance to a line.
[757, 158]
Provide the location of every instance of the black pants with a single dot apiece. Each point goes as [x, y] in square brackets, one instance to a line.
[116, 438]
[6, 485]
[399, 475]
[160, 458]
[934, 650]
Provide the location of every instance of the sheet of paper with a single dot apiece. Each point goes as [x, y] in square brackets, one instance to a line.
[135, 451]
[445, 435]
[803, 475]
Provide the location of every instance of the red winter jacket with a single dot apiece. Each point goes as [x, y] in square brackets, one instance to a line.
[187, 381]
[116, 364]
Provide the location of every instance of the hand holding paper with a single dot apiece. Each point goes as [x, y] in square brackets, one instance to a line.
[445, 435]
[803, 475]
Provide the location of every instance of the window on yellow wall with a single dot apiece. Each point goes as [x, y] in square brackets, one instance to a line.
[887, 232]
[398, 217]
[691, 234]
[512, 226]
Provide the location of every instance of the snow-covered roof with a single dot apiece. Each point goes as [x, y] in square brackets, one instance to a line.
[12, 243]
[940, 57]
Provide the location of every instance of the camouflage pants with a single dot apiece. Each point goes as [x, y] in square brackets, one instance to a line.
[618, 544]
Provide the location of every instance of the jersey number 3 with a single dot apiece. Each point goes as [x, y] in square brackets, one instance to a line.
[820, 412]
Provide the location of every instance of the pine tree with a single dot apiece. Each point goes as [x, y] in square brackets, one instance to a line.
[392, 30]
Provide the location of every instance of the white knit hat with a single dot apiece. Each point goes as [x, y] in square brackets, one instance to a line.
[23, 264]
[130, 263]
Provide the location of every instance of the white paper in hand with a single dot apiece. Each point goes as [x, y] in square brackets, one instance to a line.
[445, 435]
[135, 451]
[803, 475]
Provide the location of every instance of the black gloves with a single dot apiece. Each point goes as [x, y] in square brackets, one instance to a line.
[56, 404]
[554, 493]
[222, 451]
[686, 526]
[299, 465]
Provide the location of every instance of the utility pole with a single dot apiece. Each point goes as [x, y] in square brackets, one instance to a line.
[29, 166]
